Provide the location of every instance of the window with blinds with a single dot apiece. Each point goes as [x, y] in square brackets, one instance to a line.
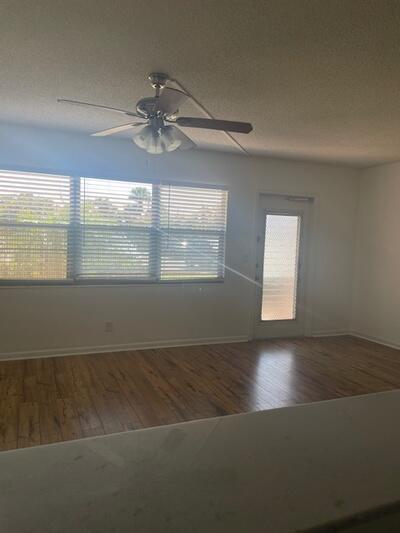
[60, 228]
[115, 234]
[192, 232]
[35, 212]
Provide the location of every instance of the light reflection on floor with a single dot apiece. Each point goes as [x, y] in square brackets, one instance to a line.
[273, 387]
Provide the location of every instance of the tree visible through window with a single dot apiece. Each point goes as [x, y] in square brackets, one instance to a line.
[59, 228]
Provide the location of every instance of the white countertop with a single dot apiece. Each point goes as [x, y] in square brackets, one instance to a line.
[277, 471]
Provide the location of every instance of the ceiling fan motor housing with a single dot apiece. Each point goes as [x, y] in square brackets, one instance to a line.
[147, 107]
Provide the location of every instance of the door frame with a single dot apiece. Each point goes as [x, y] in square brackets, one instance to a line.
[311, 255]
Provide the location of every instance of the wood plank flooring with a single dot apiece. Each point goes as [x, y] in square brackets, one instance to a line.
[63, 398]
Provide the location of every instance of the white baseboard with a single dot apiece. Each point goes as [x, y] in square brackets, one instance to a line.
[334, 333]
[57, 352]
[377, 340]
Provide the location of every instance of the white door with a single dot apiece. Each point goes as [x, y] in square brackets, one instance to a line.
[282, 249]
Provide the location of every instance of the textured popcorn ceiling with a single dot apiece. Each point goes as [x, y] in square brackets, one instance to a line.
[318, 79]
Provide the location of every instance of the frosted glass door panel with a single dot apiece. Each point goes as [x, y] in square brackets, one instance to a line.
[280, 271]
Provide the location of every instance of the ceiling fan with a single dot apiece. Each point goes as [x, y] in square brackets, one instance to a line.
[159, 124]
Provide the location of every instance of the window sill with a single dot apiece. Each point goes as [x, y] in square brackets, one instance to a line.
[104, 283]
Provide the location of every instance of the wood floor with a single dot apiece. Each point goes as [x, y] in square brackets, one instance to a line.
[63, 398]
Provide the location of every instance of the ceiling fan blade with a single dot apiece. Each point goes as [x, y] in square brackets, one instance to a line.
[214, 124]
[105, 107]
[186, 143]
[170, 100]
[117, 129]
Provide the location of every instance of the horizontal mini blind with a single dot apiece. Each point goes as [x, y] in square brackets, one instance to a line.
[116, 230]
[34, 226]
[280, 269]
[80, 229]
[192, 227]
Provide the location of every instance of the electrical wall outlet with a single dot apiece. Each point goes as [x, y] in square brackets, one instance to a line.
[108, 326]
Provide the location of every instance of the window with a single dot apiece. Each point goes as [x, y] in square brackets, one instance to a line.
[281, 257]
[34, 226]
[192, 232]
[61, 228]
[115, 230]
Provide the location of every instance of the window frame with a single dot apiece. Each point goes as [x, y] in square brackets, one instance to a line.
[73, 252]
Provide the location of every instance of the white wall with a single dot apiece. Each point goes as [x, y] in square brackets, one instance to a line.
[376, 312]
[64, 319]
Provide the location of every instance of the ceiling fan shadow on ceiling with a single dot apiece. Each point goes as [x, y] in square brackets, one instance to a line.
[159, 126]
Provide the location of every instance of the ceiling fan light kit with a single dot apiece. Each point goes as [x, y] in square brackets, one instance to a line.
[157, 140]
[170, 138]
[160, 127]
